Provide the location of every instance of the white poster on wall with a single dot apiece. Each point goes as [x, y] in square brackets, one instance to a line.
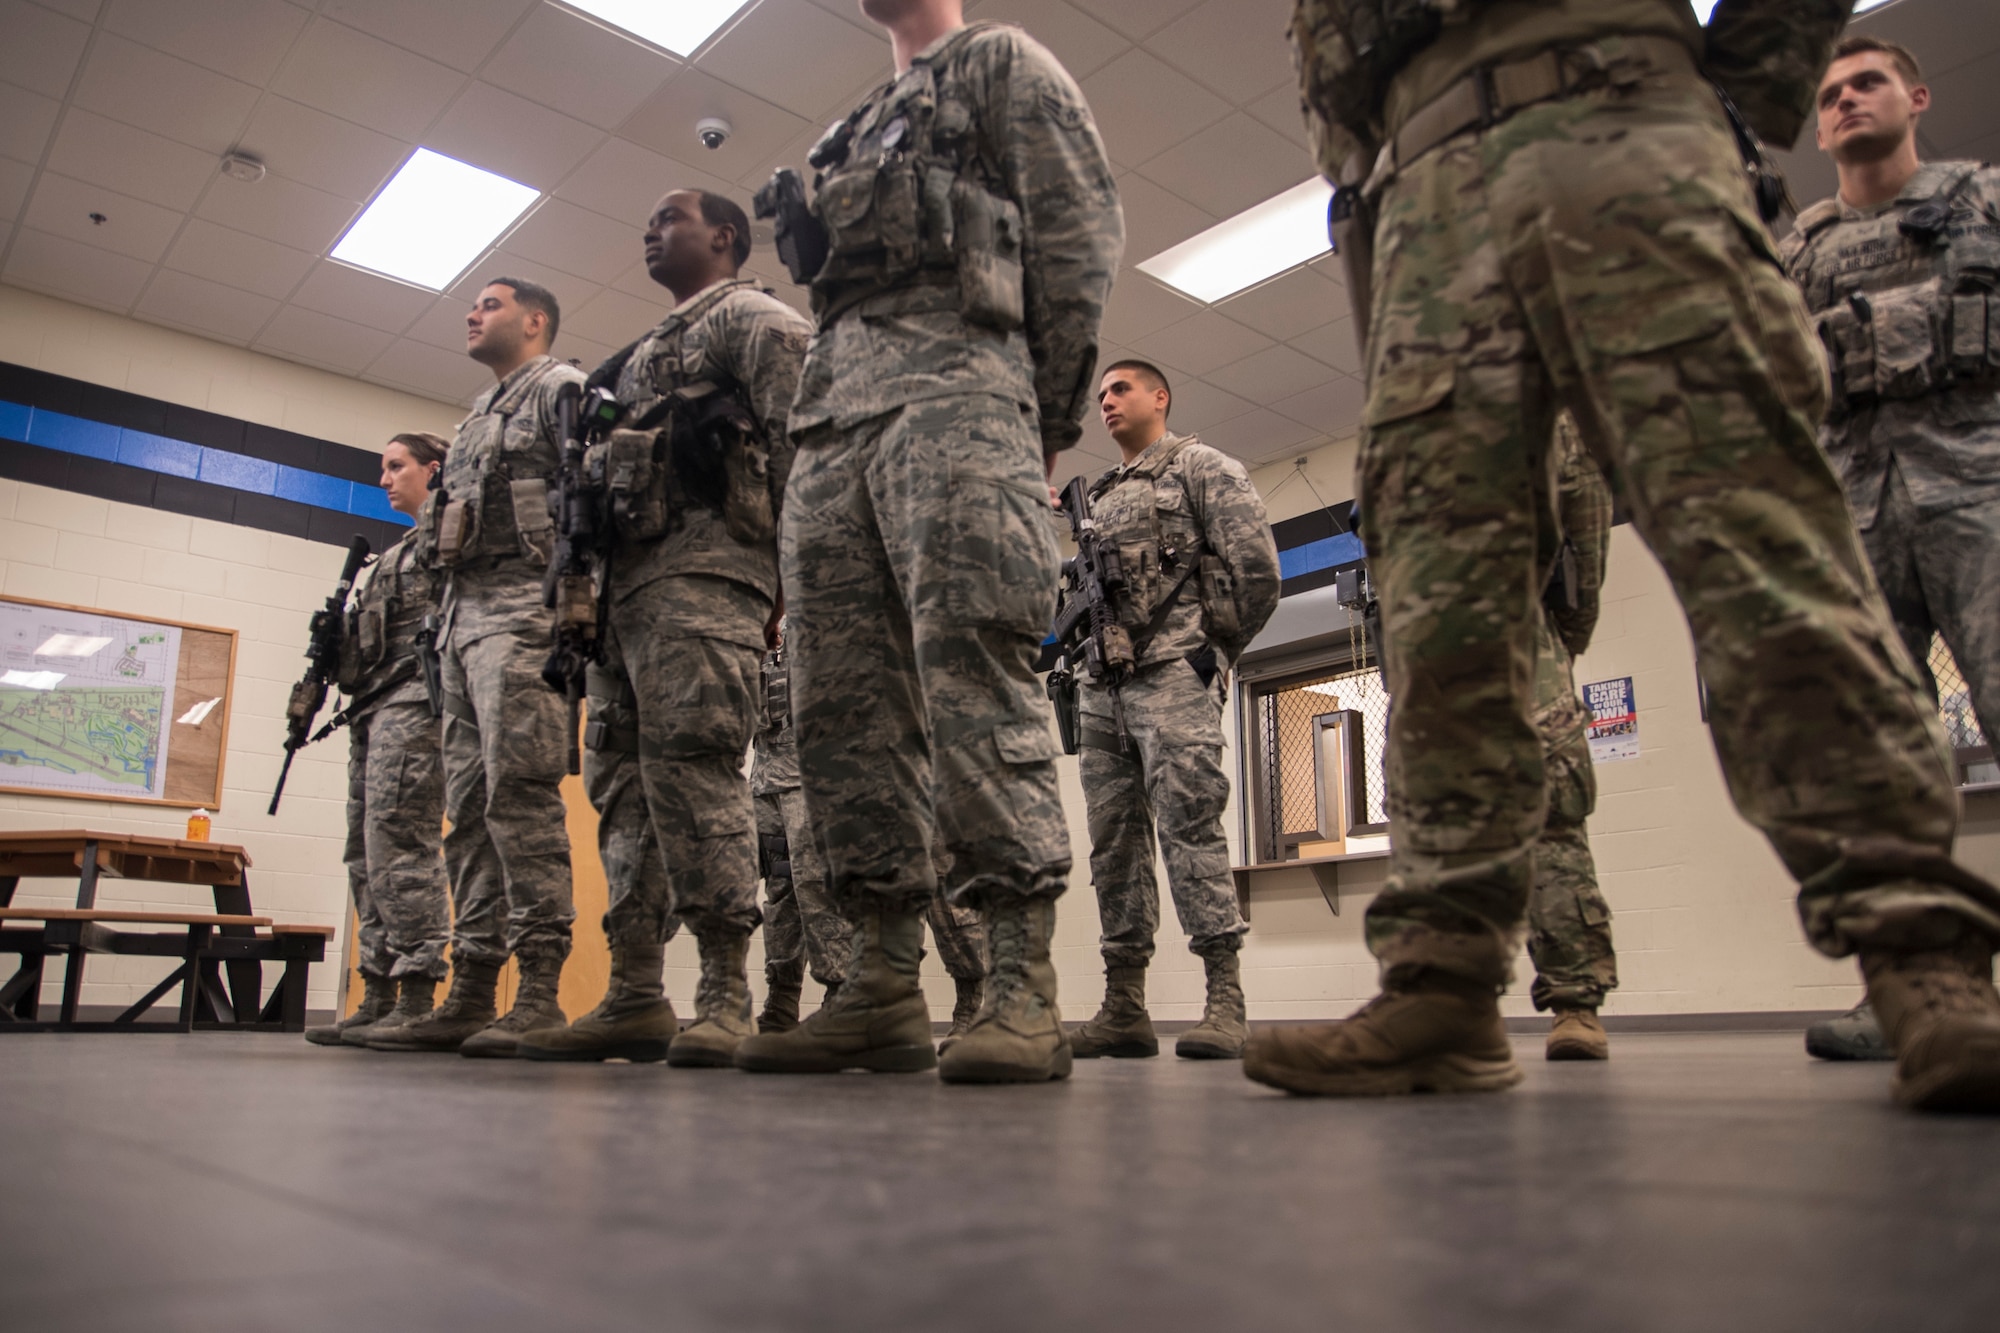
[1614, 719]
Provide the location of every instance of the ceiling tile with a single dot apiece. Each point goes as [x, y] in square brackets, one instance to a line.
[1231, 46]
[1156, 218]
[1140, 307]
[1257, 435]
[461, 33]
[235, 259]
[85, 10]
[1332, 343]
[366, 80]
[323, 340]
[1289, 304]
[133, 161]
[1279, 109]
[62, 207]
[245, 39]
[502, 133]
[164, 94]
[361, 298]
[15, 178]
[451, 377]
[56, 264]
[797, 55]
[1080, 42]
[278, 209]
[1959, 112]
[623, 181]
[1199, 405]
[758, 129]
[577, 241]
[1199, 344]
[1231, 165]
[616, 318]
[585, 354]
[443, 325]
[42, 48]
[1136, 18]
[1143, 107]
[320, 150]
[191, 302]
[1332, 407]
[580, 68]
[25, 121]
[1266, 376]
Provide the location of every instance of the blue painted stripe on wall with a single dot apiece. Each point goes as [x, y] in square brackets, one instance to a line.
[179, 458]
[1343, 548]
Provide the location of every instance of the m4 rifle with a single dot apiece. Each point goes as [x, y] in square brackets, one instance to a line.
[583, 538]
[1087, 628]
[328, 627]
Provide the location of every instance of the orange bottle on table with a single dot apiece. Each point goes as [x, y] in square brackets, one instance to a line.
[198, 826]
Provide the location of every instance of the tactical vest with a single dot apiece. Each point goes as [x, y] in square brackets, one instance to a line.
[1905, 301]
[688, 441]
[387, 615]
[494, 494]
[907, 198]
[1348, 52]
[1160, 547]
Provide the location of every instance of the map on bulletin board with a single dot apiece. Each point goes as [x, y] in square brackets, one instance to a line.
[98, 705]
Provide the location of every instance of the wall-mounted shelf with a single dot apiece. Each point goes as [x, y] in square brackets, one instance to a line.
[1325, 872]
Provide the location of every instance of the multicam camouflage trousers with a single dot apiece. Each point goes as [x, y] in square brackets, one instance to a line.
[800, 926]
[1941, 575]
[1569, 923]
[508, 849]
[1173, 775]
[920, 566]
[672, 707]
[1601, 252]
[395, 822]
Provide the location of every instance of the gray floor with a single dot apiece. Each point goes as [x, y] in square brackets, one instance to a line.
[217, 1182]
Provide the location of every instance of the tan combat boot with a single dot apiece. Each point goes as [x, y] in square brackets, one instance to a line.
[1121, 1028]
[377, 1000]
[1223, 1029]
[1437, 1033]
[877, 1020]
[534, 1007]
[1941, 1015]
[414, 998]
[1018, 1036]
[1577, 1035]
[632, 1022]
[467, 1008]
[721, 1004]
[971, 993]
[783, 983]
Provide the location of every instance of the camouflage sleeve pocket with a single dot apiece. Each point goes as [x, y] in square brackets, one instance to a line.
[1634, 323]
[1024, 742]
[1408, 390]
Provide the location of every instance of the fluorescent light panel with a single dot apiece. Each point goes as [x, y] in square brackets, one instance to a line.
[677, 25]
[1258, 243]
[1703, 8]
[432, 220]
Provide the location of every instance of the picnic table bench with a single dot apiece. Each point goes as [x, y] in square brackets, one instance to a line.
[222, 953]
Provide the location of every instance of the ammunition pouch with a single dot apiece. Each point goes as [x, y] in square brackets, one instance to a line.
[1909, 341]
[986, 239]
[1219, 617]
[628, 464]
[348, 665]
[774, 856]
[603, 738]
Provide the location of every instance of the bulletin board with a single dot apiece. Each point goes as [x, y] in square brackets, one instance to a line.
[100, 705]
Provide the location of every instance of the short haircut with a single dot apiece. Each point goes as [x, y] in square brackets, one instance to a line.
[535, 297]
[1147, 370]
[425, 447]
[1900, 56]
[719, 210]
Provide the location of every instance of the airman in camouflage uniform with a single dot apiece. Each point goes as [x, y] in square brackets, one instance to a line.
[690, 590]
[1569, 923]
[1564, 221]
[1898, 272]
[974, 231]
[395, 778]
[489, 527]
[1201, 571]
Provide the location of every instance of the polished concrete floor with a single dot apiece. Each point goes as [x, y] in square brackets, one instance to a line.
[1719, 1182]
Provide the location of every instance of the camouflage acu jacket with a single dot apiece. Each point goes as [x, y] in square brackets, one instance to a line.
[731, 332]
[1911, 324]
[1179, 498]
[1029, 138]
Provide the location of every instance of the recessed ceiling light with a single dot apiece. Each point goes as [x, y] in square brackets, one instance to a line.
[678, 25]
[1258, 243]
[435, 217]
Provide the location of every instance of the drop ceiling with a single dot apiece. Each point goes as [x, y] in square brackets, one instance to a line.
[124, 108]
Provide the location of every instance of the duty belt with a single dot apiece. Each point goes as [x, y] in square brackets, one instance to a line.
[1491, 93]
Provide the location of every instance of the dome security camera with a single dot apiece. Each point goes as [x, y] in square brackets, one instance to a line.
[713, 131]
